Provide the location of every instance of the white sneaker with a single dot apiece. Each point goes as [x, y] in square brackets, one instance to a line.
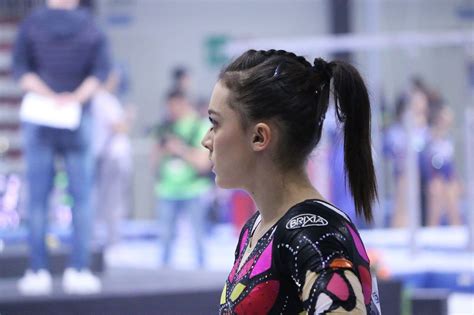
[80, 282]
[35, 283]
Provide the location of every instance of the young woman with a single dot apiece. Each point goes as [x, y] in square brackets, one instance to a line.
[443, 187]
[298, 253]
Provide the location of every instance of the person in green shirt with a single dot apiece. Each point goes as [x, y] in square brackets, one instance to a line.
[183, 169]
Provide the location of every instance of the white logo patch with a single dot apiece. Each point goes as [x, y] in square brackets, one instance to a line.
[305, 220]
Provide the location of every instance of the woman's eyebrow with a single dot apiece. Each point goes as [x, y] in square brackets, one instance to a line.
[213, 112]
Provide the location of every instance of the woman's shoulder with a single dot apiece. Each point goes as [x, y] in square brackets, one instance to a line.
[314, 218]
[317, 229]
[313, 212]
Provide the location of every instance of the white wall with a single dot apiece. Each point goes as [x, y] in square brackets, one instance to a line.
[164, 34]
[443, 67]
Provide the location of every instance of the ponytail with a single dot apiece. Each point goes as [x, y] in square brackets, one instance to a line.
[268, 84]
[353, 110]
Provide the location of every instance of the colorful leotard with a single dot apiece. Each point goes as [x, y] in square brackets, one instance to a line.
[312, 261]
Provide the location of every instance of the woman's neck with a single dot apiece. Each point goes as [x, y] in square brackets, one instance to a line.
[275, 192]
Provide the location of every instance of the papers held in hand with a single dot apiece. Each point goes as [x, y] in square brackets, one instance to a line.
[45, 111]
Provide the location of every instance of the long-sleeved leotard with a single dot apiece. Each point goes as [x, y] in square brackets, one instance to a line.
[311, 262]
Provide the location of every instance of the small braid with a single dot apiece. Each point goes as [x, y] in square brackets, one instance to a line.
[284, 53]
[321, 68]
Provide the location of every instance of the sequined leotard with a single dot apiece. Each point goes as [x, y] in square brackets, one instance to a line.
[312, 261]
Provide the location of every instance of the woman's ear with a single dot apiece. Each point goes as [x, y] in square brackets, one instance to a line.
[261, 137]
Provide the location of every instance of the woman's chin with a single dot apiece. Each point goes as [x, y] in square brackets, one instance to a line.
[219, 182]
[222, 183]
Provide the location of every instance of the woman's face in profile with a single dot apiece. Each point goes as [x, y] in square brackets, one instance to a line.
[228, 143]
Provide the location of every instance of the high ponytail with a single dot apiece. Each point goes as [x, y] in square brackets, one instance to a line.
[353, 110]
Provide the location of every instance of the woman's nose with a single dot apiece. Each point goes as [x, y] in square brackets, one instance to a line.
[206, 141]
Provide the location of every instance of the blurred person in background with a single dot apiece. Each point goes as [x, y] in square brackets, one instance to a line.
[422, 100]
[298, 253]
[181, 81]
[61, 54]
[443, 186]
[395, 141]
[182, 166]
[411, 112]
[112, 156]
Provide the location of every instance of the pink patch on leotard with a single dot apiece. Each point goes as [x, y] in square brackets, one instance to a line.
[244, 240]
[366, 281]
[232, 272]
[239, 258]
[245, 268]
[264, 261]
[338, 287]
[358, 243]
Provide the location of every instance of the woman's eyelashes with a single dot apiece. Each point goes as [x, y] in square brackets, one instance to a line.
[213, 122]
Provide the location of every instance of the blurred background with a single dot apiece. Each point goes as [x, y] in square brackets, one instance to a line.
[417, 57]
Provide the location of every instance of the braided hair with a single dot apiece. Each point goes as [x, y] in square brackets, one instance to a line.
[288, 89]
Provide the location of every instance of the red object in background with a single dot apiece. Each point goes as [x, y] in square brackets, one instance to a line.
[242, 207]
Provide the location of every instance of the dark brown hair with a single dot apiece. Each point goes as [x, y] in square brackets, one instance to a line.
[286, 88]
